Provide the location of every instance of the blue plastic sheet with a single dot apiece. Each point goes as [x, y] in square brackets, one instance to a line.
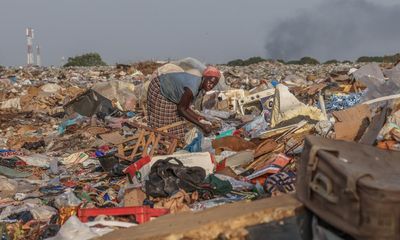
[63, 126]
[195, 145]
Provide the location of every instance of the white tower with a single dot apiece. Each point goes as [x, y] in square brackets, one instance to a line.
[38, 58]
[29, 38]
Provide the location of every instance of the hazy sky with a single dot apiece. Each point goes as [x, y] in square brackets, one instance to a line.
[214, 31]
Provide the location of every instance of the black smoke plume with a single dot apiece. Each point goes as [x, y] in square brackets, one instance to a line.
[337, 29]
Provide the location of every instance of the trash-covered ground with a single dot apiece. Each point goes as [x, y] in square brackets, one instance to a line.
[75, 147]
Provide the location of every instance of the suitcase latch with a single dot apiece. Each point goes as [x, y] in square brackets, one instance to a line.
[323, 186]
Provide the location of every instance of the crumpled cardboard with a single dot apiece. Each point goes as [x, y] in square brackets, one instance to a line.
[349, 122]
[134, 197]
[178, 202]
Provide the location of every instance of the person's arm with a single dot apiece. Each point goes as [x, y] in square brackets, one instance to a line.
[196, 115]
[186, 112]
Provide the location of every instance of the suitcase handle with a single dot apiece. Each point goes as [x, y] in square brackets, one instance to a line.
[322, 185]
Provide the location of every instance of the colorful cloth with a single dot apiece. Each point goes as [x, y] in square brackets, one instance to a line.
[10, 153]
[161, 111]
[212, 72]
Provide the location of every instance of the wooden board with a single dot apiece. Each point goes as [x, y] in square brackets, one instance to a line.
[229, 219]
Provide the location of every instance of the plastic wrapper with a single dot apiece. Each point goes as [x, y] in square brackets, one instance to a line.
[74, 229]
[54, 166]
[43, 212]
[237, 185]
[372, 76]
[218, 114]
[39, 212]
[67, 199]
[37, 160]
[198, 206]
[323, 127]
[256, 127]
[392, 123]
[65, 213]
[206, 145]
[8, 185]
[69, 122]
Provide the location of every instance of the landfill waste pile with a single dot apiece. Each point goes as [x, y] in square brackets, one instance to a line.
[78, 159]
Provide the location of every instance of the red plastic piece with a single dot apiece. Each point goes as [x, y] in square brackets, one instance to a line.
[134, 167]
[220, 165]
[142, 214]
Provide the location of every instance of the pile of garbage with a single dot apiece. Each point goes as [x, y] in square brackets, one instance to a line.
[77, 156]
[248, 77]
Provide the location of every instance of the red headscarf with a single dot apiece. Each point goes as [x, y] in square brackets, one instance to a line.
[212, 72]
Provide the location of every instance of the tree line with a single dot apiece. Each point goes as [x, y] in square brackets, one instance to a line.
[94, 59]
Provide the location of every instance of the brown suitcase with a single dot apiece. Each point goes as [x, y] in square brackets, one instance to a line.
[353, 187]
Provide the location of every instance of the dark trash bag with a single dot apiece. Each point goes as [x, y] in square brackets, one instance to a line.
[167, 177]
[90, 103]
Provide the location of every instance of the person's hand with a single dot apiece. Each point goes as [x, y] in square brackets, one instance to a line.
[199, 118]
[207, 129]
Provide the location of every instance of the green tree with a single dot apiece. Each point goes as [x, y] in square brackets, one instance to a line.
[254, 60]
[249, 61]
[88, 59]
[347, 61]
[370, 59]
[387, 58]
[293, 62]
[236, 62]
[304, 60]
[309, 60]
[331, 61]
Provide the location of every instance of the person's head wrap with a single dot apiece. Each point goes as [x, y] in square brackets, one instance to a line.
[212, 72]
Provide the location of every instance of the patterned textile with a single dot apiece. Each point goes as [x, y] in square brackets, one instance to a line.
[161, 111]
[10, 153]
[280, 182]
